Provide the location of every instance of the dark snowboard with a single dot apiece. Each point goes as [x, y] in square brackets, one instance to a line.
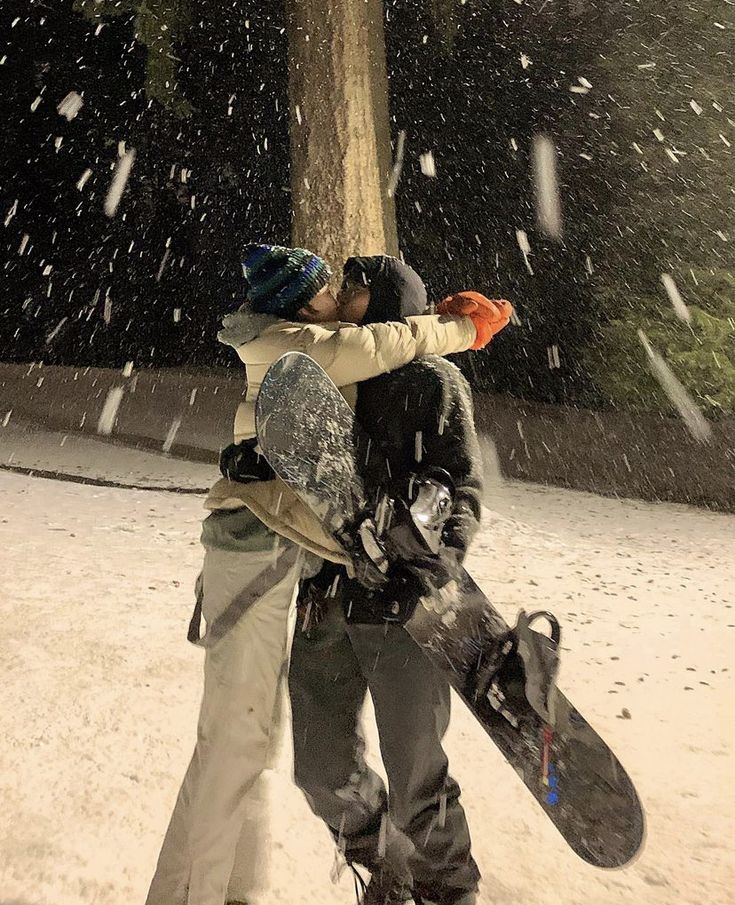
[309, 435]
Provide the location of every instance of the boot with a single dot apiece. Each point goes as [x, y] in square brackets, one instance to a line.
[386, 888]
[467, 898]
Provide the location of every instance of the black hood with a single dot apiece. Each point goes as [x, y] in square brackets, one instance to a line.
[396, 290]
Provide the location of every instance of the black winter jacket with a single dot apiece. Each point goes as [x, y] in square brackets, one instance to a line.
[416, 417]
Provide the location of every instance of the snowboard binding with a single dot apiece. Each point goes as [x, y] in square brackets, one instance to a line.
[430, 500]
[521, 670]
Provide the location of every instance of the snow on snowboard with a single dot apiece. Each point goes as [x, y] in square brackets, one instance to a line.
[310, 437]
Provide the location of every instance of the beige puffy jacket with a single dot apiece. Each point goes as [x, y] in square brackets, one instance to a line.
[349, 354]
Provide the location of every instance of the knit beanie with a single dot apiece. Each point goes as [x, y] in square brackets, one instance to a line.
[282, 280]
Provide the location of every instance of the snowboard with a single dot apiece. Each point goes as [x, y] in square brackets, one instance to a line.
[310, 437]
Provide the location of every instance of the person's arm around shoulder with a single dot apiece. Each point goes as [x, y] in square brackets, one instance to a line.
[465, 321]
[350, 353]
[442, 334]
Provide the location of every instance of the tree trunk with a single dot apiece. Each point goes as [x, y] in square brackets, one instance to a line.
[339, 129]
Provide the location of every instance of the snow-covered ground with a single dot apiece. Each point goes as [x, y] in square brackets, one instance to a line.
[29, 446]
[101, 689]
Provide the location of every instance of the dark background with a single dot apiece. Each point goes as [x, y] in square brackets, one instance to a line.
[465, 103]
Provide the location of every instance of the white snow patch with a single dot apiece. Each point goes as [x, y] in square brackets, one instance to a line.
[99, 725]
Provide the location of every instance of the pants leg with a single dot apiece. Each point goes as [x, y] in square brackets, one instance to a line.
[252, 865]
[241, 673]
[412, 708]
[327, 692]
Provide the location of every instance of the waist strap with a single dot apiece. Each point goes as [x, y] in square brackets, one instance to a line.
[241, 602]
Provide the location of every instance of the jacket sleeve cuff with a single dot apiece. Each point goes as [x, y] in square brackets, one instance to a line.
[442, 334]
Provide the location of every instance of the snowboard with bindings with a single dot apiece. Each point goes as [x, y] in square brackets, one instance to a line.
[505, 675]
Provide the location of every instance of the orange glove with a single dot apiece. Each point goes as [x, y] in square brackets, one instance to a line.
[489, 316]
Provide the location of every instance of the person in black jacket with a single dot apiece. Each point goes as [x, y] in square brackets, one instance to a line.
[414, 841]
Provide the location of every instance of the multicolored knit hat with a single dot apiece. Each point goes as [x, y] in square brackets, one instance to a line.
[282, 280]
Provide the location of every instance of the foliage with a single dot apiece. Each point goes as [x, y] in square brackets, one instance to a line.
[667, 149]
[159, 26]
[701, 353]
[669, 137]
[445, 14]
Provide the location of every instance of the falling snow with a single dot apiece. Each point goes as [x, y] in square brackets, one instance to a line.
[428, 167]
[675, 297]
[119, 180]
[576, 158]
[696, 423]
[70, 106]
[548, 204]
[108, 416]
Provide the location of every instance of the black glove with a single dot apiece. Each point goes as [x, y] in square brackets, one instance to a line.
[315, 594]
[404, 544]
[402, 594]
[394, 601]
[240, 462]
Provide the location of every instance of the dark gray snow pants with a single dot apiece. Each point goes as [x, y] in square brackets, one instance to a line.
[333, 665]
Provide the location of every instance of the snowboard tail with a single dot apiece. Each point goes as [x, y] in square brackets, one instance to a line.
[311, 439]
[565, 764]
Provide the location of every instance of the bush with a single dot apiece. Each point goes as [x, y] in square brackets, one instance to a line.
[701, 353]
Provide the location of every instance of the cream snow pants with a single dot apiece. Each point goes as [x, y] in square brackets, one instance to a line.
[216, 843]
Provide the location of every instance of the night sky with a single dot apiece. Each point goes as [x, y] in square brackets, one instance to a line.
[151, 284]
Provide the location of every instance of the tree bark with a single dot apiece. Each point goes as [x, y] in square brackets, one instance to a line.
[339, 129]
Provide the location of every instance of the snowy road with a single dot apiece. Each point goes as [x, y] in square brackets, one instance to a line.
[100, 691]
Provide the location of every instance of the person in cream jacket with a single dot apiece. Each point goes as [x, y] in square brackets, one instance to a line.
[255, 539]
